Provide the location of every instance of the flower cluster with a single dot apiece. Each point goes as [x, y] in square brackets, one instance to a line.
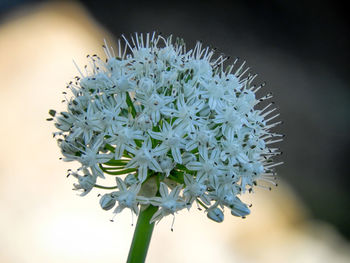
[172, 125]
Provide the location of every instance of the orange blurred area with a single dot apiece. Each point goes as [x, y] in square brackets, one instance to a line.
[43, 220]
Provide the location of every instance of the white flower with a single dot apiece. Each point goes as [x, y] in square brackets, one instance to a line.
[215, 92]
[230, 119]
[144, 159]
[110, 110]
[90, 157]
[202, 136]
[123, 137]
[231, 148]
[154, 105]
[127, 197]
[195, 188]
[85, 182]
[171, 139]
[158, 114]
[96, 82]
[86, 124]
[143, 122]
[169, 203]
[208, 166]
[186, 113]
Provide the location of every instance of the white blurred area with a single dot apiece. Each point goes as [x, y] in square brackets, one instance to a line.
[43, 220]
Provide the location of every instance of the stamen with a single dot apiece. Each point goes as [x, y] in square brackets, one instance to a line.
[270, 142]
[273, 165]
[273, 117]
[172, 224]
[81, 74]
[132, 218]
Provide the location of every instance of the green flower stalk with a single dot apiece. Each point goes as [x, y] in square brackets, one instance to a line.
[173, 126]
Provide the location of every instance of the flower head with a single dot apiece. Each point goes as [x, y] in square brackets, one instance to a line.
[181, 119]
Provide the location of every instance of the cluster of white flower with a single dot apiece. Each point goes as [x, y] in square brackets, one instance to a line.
[158, 116]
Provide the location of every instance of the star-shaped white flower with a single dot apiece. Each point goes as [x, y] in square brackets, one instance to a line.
[85, 182]
[143, 159]
[208, 166]
[128, 198]
[195, 188]
[123, 138]
[169, 203]
[90, 157]
[171, 139]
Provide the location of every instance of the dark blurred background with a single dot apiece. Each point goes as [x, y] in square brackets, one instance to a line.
[300, 48]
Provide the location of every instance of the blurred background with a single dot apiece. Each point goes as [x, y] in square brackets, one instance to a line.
[300, 48]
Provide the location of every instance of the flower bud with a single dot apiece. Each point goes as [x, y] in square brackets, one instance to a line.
[215, 214]
[240, 209]
[107, 201]
[123, 84]
[167, 165]
[130, 179]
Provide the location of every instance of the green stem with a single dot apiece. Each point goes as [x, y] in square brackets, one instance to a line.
[142, 236]
[130, 104]
[125, 171]
[105, 187]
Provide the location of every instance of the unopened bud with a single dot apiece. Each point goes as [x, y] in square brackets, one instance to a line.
[130, 179]
[240, 209]
[216, 215]
[107, 202]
